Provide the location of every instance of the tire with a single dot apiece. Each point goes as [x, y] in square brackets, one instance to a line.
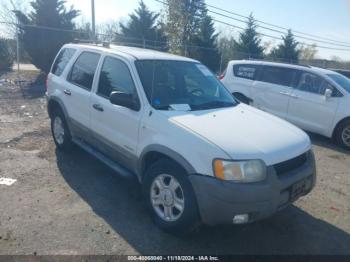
[342, 134]
[60, 131]
[180, 222]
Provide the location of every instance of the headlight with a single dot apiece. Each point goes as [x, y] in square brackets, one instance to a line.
[240, 171]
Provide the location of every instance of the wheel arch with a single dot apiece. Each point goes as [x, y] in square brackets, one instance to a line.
[240, 96]
[338, 124]
[153, 153]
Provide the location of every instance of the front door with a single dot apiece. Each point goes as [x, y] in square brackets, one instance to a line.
[308, 107]
[115, 127]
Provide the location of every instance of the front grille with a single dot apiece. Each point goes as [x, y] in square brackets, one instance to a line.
[289, 165]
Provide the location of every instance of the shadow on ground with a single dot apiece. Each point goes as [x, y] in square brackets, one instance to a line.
[326, 143]
[117, 201]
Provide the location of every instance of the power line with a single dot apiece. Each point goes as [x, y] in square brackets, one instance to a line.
[276, 26]
[262, 34]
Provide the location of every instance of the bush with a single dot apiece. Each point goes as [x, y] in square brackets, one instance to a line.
[6, 55]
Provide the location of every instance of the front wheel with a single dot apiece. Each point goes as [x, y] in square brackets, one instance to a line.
[170, 197]
[342, 134]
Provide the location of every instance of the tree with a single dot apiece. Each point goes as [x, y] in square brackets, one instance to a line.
[39, 39]
[142, 29]
[249, 42]
[183, 19]
[288, 50]
[226, 46]
[308, 52]
[205, 43]
[6, 55]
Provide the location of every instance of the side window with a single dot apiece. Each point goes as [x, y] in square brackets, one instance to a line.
[312, 83]
[278, 75]
[115, 76]
[335, 91]
[83, 70]
[62, 60]
[245, 71]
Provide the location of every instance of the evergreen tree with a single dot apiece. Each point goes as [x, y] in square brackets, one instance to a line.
[206, 40]
[6, 55]
[42, 43]
[249, 42]
[142, 29]
[183, 19]
[288, 50]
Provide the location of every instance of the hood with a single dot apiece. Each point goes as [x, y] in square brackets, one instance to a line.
[244, 132]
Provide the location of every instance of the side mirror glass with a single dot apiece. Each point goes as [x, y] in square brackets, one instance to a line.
[328, 93]
[125, 100]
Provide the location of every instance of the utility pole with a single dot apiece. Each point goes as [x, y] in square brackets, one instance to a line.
[17, 45]
[93, 20]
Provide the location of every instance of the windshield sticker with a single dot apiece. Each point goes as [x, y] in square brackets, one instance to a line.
[180, 107]
[204, 70]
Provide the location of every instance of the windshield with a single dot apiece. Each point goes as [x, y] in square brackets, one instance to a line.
[341, 80]
[182, 85]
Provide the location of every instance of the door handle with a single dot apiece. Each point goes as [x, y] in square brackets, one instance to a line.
[294, 96]
[67, 92]
[98, 107]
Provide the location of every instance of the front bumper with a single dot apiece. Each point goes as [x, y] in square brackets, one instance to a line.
[219, 201]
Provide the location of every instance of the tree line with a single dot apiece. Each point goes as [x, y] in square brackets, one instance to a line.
[184, 27]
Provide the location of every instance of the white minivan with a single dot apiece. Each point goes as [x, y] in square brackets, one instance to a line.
[314, 99]
[165, 120]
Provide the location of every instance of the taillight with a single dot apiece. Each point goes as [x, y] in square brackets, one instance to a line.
[222, 75]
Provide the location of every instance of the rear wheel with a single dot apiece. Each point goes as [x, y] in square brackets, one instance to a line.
[60, 132]
[342, 134]
[170, 197]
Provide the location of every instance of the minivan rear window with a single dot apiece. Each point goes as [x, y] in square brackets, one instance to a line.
[245, 71]
[62, 60]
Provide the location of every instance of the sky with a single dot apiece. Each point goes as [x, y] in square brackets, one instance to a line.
[327, 18]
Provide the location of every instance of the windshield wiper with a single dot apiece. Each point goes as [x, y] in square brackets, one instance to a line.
[162, 107]
[212, 104]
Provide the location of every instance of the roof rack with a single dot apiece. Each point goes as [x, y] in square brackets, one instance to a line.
[92, 42]
[278, 62]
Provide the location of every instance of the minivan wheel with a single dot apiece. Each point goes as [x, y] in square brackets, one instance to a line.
[60, 131]
[170, 198]
[343, 134]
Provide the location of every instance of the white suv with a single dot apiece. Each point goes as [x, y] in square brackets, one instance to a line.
[200, 155]
[314, 99]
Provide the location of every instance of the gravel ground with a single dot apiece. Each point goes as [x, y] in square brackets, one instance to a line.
[73, 204]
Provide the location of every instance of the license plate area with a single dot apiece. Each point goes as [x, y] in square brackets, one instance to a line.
[300, 188]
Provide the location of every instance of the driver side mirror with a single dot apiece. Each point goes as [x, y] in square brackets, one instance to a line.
[125, 100]
[328, 93]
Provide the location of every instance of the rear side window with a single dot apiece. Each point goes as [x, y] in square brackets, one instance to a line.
[278, 76]
[115, 76]
[83, 70]
[245, 71]
[62, 60]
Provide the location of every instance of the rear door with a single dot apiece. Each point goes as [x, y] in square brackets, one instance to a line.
[271, 92]
[115, 128]
[308, 107]
[78, 90]
[242, 78]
